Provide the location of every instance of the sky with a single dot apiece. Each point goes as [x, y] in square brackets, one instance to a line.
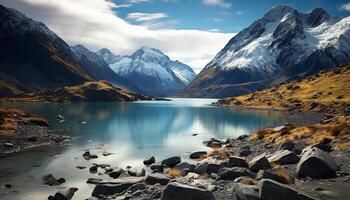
[191, 31]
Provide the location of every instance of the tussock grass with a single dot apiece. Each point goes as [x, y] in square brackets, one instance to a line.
[219, 153]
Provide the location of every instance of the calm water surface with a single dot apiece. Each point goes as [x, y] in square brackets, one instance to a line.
[132, 131]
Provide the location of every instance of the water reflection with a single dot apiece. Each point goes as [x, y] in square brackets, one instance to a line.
[132, 131]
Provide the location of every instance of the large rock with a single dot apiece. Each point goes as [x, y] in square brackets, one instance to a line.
[116, 186]
[64, 194]
[259, 163]
[201, 168]
[185, 166]
[198, 154]
[213, 143]
[316, 163]
[235, 161]
[87, 155]
[136, 171]
[116, 172]
[267, 174]
[214, 165]
[287, 145]
[155, 178]
[283, 157]
[233, 173]
[172, 161]
[149, 161]
[176, 191]
[272, 190]
[246, 192]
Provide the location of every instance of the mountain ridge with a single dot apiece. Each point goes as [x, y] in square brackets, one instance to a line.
[280, 46]
[153, 71]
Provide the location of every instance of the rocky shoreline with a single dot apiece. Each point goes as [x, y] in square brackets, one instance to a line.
[237, 168]
[21, 131]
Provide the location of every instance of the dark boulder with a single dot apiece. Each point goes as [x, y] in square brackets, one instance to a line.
[172, 161]
[155, 178]
[117, 186]
[259, 163]
[149, 161]
[233, 173]
[64, 194]
[316, 163]
[246, 192]
[198, 154]
[235, 161]
[283, 157]
[176, 191]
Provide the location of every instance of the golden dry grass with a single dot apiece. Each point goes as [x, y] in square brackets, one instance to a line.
[284, 175]
[329, 88]
[219, 153]
[175, 172]
[337, 133]
[10, 117]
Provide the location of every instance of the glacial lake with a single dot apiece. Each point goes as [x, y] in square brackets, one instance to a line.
[131, 131]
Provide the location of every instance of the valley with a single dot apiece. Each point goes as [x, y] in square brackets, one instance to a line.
[122, 117]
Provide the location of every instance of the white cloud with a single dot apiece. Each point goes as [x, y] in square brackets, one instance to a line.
[94, 24]
[220, 3]
[140, 17]
[214, 30]
[345, 6]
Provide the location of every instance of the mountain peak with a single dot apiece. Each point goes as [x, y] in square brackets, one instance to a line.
[278, 12]
[317, 17]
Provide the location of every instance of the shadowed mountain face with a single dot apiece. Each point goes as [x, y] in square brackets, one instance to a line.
[153, 72]
[98, 69]
[282, 45]
[32, 57]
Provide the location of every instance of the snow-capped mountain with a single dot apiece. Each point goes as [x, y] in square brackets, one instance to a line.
[98, 69]
[282, 45]
[108, 56]
[153, 72]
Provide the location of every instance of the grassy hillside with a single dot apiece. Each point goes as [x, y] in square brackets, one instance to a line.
[327, 92]
[88, 91]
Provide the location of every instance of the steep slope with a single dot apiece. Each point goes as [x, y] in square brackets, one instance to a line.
[153, 72]
[98, 69]
[32, 57]
[282, 45]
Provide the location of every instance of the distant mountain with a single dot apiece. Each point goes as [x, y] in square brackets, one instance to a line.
[153, 72]
[108, 56]
[282, 45]
[98, 69]
[32, 57]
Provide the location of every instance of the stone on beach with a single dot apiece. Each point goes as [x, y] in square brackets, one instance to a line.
[176, 191]
[259, 163]
[117, 186]
[235, 161]
[172, 161]
[316, 163]
[149, 161]
[272, 190]
[87, 155]
[64, 194]
[155, 178]
[213, 143]
[283, 157]
[233, 173]
[198, 154]
[137, 171]
[94, 180]
[246, 192]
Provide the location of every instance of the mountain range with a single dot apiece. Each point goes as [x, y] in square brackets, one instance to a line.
[152, 71]
[34, 58]
[283, 45]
